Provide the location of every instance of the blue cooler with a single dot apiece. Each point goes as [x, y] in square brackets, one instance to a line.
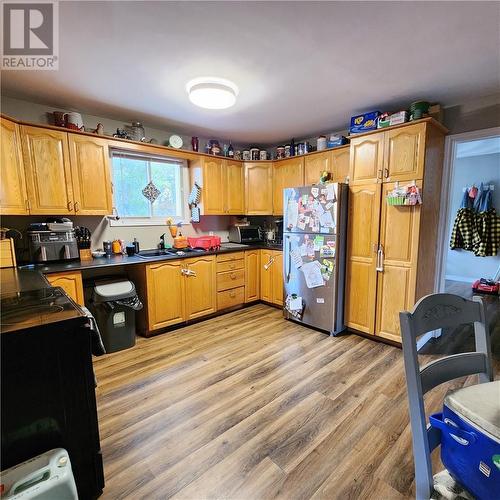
[470, 438]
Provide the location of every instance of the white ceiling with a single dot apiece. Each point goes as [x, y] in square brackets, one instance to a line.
[302, 67]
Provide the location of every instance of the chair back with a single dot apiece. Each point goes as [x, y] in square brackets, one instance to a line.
[440, 310]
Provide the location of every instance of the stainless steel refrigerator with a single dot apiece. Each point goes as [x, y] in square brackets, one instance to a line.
[314, 248]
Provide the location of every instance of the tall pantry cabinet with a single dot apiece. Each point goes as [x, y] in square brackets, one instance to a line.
[391, 249]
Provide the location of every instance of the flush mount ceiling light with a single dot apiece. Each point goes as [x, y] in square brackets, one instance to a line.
[212, 93]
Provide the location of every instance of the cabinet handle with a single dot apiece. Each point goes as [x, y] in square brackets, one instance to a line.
[379, 173]
[70, 206]
[232, 295]
[386, 173]
[269, 264]
[28, 205]
[380, 259]
[77, 206]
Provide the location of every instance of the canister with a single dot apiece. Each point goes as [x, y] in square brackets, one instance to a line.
[321, 143]
[263, 154]
[280, 152]
[254, 153]
[287, 151]
[106, 246]
[246, 154]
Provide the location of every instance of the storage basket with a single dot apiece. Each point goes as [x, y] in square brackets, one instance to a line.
[205, 242]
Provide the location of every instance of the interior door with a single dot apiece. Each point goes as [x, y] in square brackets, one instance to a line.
[13, 195]
[258, 188]
[362, 246]
[48, 171]
[91, 176]
[314, 165]
[235, 188]
[213, 187]
[200, 279]
[165, 294]
[399, 235]
[404, 153]
[366, 159]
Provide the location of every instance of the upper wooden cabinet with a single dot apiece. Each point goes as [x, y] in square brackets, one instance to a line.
[314, 165]
[48, 171]
[222, 186]
[13, 195]
[91, 175]
[366, 159]
[286, 173]
[259, 188]
[404, 153]
[234, 188]
[340, 163]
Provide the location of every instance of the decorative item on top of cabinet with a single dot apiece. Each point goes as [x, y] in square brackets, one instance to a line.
[259, 188]
[252, 275]
[48, 171]
[71, 283]
[13, 194]
[91, 175]
[286, 173]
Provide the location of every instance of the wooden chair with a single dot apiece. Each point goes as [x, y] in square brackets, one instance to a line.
[430, 313]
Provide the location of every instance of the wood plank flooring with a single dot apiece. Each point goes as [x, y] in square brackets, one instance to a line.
[248, 405]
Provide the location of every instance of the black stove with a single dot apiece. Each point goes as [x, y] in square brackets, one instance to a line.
[35, 307]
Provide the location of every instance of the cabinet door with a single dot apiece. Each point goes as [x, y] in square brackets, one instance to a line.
[266, 281]
[165, 294]
[287, 173]
[213, 187]
[362, 244]
[314, 165]
[90, 174]
[71, 283]
[252, 275]
[366, 159]
[13, 195]
[340, 164]
[235, 188]
[404, 153]
[399, 235]
[259, 188]
[277, 277]
[200, 295]
[48, 171]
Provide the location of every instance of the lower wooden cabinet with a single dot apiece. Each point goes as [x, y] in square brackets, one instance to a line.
[200, 298]
[252, 275]
[271, 276]
[230, 280]
[70, 282]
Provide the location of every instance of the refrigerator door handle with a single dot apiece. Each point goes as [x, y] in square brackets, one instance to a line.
[289, 259]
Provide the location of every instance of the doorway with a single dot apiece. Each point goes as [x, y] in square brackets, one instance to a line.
[471, 159]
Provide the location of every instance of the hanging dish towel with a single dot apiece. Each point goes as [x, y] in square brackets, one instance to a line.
[462, 234]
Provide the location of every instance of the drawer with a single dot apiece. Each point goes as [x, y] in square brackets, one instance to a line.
[230, 298]
[226, 257]
[230, 279]
[230, 265]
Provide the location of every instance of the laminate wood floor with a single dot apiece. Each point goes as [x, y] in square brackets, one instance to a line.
[248, 405]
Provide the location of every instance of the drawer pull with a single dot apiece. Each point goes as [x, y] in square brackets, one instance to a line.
[232, 295]
[70, 206]
[233, 276]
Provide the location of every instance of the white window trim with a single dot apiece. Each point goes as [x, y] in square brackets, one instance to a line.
[154, 221]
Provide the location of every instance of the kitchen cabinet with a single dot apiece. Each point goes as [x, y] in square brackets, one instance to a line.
[314, 164]
[391, 252]
[234, 187]
[48, 171]
[230, 280]
[286, 173]
[13, 194]
[271, 277]
[91, 175]
[223, 186]
[340, 163]
[7, 253]
[259, 188]
[366, 159]
[200, 294]
[163, 294]
[252, 275]
[71, 283]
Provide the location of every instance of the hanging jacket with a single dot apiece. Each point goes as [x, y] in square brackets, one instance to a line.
[462, 234]
[486, 241]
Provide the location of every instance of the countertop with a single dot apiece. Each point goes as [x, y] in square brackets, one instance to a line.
[21, 280]
[124, 260]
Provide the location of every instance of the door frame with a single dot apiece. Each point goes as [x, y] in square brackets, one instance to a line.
[451, 143]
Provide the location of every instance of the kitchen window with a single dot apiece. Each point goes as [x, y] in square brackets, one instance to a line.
[147, 189]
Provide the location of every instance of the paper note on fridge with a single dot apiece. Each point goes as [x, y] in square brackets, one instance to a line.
[330, 194]
[293, 213]
[312, 274]
[326, 219]
[315, 191]
[295, 304]
[296, 257]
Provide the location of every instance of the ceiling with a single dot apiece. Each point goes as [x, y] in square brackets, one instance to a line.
[302, 67]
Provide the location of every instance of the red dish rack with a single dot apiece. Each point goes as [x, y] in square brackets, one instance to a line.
[205, 242]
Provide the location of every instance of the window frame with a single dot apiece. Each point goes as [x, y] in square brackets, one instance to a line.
[159, 220]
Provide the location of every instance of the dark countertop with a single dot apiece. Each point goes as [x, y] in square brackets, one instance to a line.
[122, 260]
[21, 280]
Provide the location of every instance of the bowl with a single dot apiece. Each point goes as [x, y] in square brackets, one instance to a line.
[97, 254]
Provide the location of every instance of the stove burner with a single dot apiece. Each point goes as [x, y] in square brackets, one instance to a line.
[17, 315]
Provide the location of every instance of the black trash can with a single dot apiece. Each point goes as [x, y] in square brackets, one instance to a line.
[113, 305]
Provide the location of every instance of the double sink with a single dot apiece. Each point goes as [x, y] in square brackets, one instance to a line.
[150, 254]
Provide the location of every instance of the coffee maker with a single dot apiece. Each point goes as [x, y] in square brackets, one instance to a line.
[53, 240]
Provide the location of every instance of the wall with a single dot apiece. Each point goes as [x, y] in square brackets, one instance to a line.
[462, 265]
